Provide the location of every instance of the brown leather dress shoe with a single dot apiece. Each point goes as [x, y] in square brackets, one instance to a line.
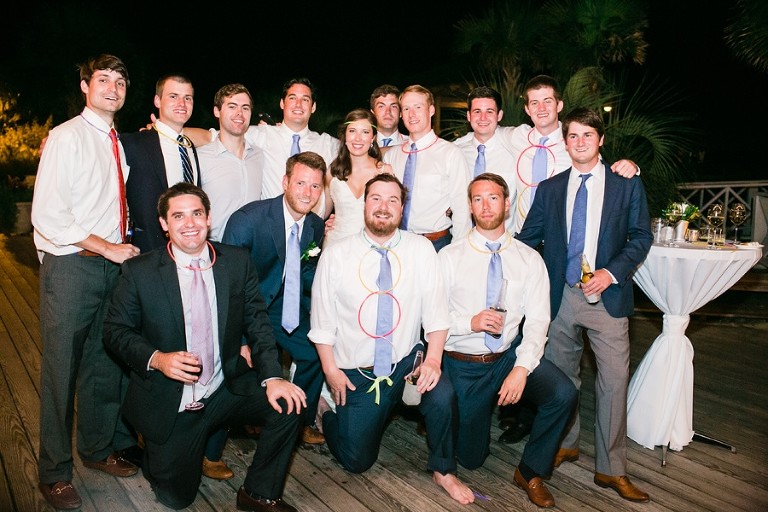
[623, 486]
[312, 436]
[61, 495]
[247, 502]
[537, 491]
[218, 470]
[566, 455]
[113, 465]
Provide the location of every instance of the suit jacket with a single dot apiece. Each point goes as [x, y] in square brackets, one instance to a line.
[260, 226]
[623, 241]
[147, 180]
[146, 314]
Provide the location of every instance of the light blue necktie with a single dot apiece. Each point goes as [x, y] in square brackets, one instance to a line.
[539, 165]
[386, 142]
[493, 285]
[408, 177]
[382, 358]
[201, 338]
[480, 160]
[186, 164]
[292, 281]
[578, 231]
[295, 148]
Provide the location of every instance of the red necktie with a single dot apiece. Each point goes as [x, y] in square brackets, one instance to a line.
[121, 185]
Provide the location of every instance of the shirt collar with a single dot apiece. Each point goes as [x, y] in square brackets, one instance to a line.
[166, 129]
[184, 260]
[288, 219]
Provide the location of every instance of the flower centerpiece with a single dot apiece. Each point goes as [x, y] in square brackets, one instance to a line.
[679, 215]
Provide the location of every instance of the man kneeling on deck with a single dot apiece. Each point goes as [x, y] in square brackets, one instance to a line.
[177, 319]
[493, 281]
[372, 292]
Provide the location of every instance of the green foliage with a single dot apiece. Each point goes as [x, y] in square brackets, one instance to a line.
[19, 142]
[747, 35]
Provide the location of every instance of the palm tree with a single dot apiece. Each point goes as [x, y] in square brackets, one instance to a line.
[584, 43]
[747, 35]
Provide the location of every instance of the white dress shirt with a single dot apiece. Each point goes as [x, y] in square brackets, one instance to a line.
[229, 181]
[76, 189]
[498, 160]
[464, 265]
[183, 261]
[595, 193]
[276, 142]
[440, 184]
[397, 139]
[174, 172]
[344, 309]
[523, 141]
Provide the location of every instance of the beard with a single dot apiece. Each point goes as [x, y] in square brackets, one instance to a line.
[382, 227]
[489, 224]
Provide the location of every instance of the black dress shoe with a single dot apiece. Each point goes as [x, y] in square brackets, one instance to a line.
[260, 504]
[133, 454]
[515, 433]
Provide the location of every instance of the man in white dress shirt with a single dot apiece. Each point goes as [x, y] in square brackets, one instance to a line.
[366, 330]
[434, 172]
[385, 105]
[231, 166]
[79, 216]
[487, 364]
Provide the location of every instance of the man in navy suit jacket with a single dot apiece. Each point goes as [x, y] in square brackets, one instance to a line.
[263, 227]
[150, 326]
[616, 240]
[148, 151]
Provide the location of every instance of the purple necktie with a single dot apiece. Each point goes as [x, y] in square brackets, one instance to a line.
[202, 325]
[409, 175]
[382, 358]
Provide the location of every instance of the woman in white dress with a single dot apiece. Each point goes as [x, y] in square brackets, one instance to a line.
[358, 161]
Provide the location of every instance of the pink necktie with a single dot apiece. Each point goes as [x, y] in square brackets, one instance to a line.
[202, 325]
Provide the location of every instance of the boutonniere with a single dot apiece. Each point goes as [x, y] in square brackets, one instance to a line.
[310, 252]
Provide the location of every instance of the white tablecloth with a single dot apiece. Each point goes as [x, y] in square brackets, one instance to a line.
[678, 281]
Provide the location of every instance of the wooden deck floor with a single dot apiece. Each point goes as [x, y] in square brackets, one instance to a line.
[730, 397]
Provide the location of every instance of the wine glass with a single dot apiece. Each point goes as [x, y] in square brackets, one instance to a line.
[195, 405]
[737, 215]
[674, 213]
[715, 215]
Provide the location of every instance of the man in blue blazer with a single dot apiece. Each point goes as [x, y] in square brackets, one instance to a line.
[152, 326]
[264, 227]
[587, 210]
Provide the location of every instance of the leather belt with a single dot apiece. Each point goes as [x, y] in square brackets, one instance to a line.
[86, 252]
[471, 358]
[436, 235]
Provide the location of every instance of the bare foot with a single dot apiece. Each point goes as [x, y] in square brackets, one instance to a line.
[455, 489]
[322, 408]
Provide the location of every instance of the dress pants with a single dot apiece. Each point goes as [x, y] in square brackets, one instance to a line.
[174, 468]
[609, 340]
[477, 386]
[74, 296]
[354, 432]
[309, 372]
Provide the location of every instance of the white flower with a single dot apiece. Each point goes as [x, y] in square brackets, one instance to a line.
[313, 252]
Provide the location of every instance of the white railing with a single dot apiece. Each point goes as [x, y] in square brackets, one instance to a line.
[728, 193]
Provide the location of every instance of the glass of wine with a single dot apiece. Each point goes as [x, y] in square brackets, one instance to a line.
[715, 215]
[674, 213]
[737, 215]
[195, 405]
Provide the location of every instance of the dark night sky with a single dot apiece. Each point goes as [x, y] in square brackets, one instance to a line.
[339, 48]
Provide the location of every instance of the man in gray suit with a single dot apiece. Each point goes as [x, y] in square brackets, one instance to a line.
[589, 211]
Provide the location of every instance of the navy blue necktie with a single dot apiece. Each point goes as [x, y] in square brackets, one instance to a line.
[186, 164]
[295, 148]
[480, 160]
[292, 286]
[539, 173]
[409, 176]
[382, 358]
[493, 284]
[578, 232]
